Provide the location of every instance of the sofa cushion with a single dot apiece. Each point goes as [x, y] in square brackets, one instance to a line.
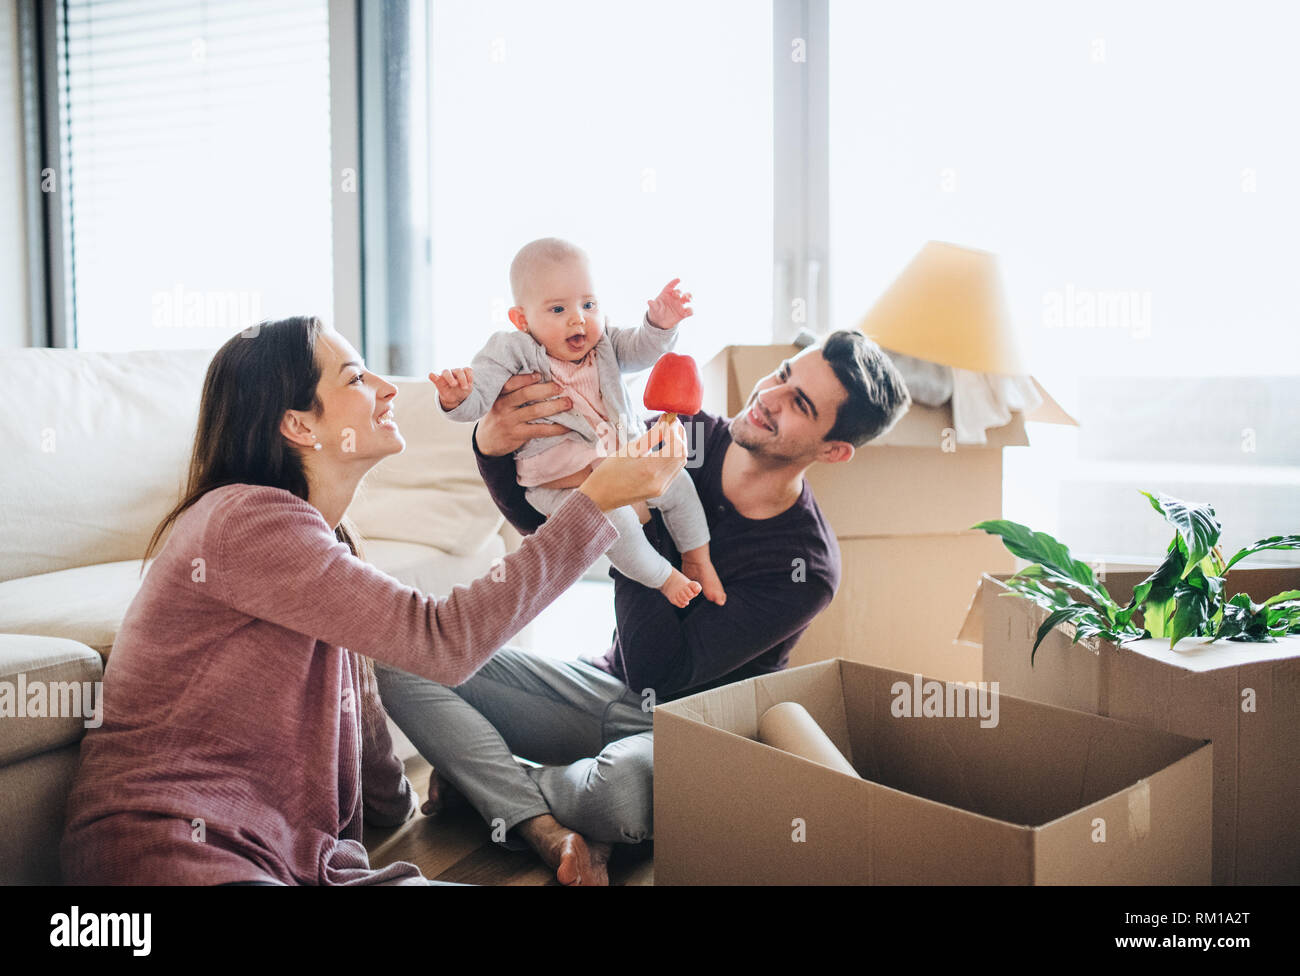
[429, 570]
[96, 448]
[431, 493]
[51, 673]
[85, 604]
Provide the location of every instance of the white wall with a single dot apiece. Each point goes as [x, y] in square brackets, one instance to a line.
[13, 238]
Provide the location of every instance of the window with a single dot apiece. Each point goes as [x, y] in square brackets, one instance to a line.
[1131, 165]
[642, 134]
[196, 167]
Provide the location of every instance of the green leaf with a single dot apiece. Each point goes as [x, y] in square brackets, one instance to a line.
[1238, 613]
[1075, 613]
[1286, 596]
[1191, 613]
[1153, 595]
[1046, 597]
[1155, 616]
[1160, 584]
[1055, 558]
[1283, 615]
[1197, 525]
[1272, 542]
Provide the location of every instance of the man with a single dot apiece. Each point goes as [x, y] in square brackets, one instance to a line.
[589, 722]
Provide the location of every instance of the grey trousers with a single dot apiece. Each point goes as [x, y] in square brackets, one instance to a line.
[585, 726]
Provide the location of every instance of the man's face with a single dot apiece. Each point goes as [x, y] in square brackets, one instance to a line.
[791, 411]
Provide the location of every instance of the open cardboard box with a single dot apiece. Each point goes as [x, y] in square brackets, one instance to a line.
[1243, 697]
[901, 509]
[1025, 793]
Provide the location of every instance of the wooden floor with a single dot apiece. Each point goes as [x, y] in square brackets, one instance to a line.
[456, 846]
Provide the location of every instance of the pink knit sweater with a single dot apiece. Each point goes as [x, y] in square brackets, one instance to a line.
[233, 746]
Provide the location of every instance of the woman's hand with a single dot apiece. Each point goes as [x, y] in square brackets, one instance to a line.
[642, 471]
[505, 428]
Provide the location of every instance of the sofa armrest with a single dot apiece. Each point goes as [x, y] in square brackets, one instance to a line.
[62, 681]
[59, 680]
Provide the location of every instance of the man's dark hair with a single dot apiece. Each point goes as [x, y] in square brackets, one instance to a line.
[877, 395]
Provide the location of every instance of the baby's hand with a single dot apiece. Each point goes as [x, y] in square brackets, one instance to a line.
[670, 307]
[454, 386]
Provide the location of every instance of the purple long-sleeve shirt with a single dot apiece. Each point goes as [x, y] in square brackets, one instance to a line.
[779, 573]
[233, 746]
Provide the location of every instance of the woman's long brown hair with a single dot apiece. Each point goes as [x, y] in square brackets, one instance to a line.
[252, 380]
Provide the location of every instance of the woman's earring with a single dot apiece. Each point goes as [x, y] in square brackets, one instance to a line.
[318, 445]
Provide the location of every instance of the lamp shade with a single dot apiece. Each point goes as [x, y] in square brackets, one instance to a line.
[948, 306]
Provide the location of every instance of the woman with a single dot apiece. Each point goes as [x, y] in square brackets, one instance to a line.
[242, 736]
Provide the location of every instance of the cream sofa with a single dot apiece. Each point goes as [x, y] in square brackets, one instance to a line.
[96, 449]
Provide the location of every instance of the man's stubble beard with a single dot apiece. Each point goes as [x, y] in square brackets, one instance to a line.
[759, 449]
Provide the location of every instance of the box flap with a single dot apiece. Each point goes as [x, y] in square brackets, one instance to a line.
[972, 626]
[729, 810]
[736, 707]
[1049, 411]
[1157, 832]
[1020, 761]
[924, 426]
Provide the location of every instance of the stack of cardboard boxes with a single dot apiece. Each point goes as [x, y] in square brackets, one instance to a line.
[1244, 697]
[901, 509]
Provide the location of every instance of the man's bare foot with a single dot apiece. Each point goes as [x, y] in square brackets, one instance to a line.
[574, 860]
[698, 566]
[442, 796]
[680, 589]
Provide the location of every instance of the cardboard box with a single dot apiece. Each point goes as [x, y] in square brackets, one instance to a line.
[901, 599]
[945, 800]
[1243, 697]
[915, 484]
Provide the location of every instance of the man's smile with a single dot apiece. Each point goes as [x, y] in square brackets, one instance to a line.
[758, 418]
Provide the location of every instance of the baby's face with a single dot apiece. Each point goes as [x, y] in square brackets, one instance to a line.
[560, 310]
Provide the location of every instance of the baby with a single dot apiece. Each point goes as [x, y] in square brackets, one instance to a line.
[562, 336]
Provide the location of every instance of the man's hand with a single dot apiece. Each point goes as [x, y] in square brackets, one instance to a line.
[454, 385]
[505, 428]
[670, 307]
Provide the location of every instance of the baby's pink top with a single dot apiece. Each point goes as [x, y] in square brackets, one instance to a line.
[233, 746]
[581, 382]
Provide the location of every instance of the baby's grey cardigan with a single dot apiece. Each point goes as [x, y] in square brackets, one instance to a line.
[618, 351]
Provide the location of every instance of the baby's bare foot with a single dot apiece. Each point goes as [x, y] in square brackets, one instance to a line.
[702, 571]
[680, 589]
[698, 565]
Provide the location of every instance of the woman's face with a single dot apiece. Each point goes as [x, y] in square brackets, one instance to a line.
[356, 418]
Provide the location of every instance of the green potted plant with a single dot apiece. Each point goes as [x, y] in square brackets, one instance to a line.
[1182, 598]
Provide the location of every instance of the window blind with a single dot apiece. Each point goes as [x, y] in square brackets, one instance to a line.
[195, 163]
